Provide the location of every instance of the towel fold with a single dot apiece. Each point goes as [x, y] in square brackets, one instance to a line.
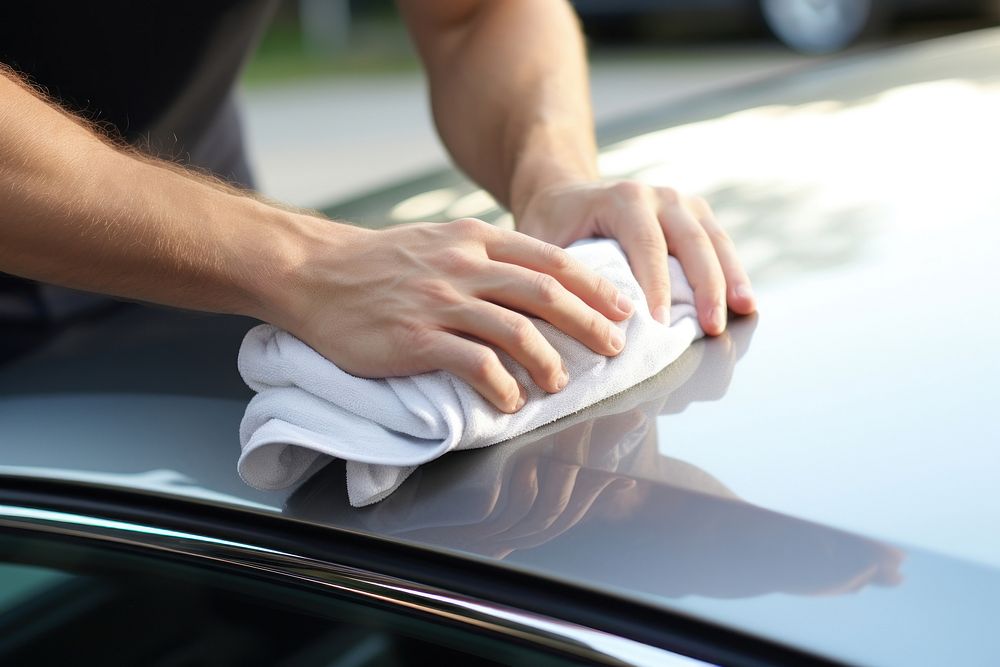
[306, 409]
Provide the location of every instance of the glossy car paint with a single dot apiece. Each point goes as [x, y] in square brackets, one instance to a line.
[822, 476]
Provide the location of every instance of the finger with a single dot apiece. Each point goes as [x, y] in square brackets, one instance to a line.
[572, 445]
[890, 560]
[521, 493]
[530, 253]
[476, 364]
[738, 290]
[609, 433]
[543, 296]
[514, 334]
[514, 498]
[554, 492]
[586, 492]
[717, 368]
[691, 245]
[641, 237]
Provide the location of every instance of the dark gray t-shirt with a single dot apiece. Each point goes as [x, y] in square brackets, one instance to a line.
[159, 74]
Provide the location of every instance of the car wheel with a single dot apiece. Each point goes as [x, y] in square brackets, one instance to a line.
[819, 26]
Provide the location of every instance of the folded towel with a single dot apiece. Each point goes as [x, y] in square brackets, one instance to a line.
[307, 410]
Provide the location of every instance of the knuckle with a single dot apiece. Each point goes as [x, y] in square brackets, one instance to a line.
[711, 287]
[509, 391]
[668, 195]
[718, 235]
[630, 189]
[470, 227]
[547, 288]
[455, 260]
[711, 297]
[551, 365]
[693, 236]
[649, 239]
[437, 292]
[605, 290]
[521, 331]
[416, 337]
[555, 257]
[700, 205]
[597, 327]
[483, 365]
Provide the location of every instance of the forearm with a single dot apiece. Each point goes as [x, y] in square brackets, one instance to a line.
[510, 97]
[509, 92]
[79, 212]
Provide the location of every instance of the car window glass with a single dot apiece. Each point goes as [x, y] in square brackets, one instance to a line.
[71, 603]
[19, 583]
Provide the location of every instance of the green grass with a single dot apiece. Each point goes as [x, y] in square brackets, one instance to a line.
[374, 47]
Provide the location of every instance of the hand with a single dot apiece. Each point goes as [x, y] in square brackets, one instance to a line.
[649, 222]
[421, 297]
[542, 490]
[552, 488]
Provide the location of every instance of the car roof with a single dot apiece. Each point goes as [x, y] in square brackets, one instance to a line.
[822, 475]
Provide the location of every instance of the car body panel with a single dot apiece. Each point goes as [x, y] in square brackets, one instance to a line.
[822, 476]
[409, 597]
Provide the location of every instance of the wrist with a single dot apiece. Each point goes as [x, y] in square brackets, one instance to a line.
[291, 262]
[553, 162]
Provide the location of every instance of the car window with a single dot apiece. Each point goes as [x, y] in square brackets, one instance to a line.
[72, 603]
[19, 583]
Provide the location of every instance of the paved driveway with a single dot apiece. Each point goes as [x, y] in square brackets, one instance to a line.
[317, 141]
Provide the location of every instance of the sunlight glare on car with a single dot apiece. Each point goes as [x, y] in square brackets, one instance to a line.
[471, 205]
[424, 205]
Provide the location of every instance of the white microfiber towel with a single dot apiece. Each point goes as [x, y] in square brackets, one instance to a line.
[307, 410]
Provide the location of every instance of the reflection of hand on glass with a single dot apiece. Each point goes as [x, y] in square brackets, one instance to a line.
[529, 490]
[552, 487]
[564, 501]
[594, 490]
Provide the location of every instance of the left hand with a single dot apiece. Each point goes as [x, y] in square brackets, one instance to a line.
[649, 222]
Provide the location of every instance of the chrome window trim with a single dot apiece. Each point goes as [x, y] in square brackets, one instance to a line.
[564, 637]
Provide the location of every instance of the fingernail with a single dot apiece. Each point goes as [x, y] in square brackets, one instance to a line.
[717, 317]
[563, 379]
[662, 314]
[521, 399]
[617, 339]
[744, 292]
[625, 304]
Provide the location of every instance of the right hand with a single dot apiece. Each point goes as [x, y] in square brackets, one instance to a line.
[426, 296]
[551, 489]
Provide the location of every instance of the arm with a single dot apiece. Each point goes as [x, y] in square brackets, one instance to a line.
[77, 211]
[510, 98]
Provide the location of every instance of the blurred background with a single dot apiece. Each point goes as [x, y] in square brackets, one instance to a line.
[336, 103]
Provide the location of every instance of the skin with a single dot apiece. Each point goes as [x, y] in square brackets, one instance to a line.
[79, 211]
[530, 100]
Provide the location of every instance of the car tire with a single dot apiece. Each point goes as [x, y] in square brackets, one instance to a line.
[821, 26]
